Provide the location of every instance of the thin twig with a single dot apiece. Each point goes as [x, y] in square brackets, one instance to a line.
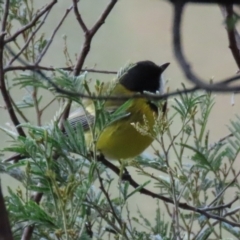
[52, 37]
[226, 187]
[232, 212]
[29, 39]
[104, 216]
[218, 87]
[47, 105]
[109, 200]
[134, 184]
[32, 23]
[149, 96]
[36, 104]
[220, 141]
[44, 68]
[24, 118]
[116, 98]
[185, 206]
[175, 214]
[89, 35]
[5, 16]
[227, 205]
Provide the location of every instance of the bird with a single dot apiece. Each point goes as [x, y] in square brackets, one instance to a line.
[122, 138]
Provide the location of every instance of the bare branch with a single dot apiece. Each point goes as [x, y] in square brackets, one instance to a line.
[89, 35]
[232, 212]
[75, 94]
[33, 67]
[233, 35]
[87, 41]
[220, 141]
[225, 188]
[218, 87]
[53, 35]
[34, 20]
[29, 39]
[103, 17]
[221, 86]
[3, 88]
[127, 177]
[200, 84]
[227, 205]
[109, 200]
[5, 229]
[5, 15]
[116, 98]
[79, 17]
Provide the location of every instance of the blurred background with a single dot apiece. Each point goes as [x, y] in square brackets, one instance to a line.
[141, 30]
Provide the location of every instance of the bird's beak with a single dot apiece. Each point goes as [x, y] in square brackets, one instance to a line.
[164, 66]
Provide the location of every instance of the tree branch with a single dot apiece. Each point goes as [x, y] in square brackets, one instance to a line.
[119, 221]
[224, 206]
[89, 35]
[221, 86]
[127, 177]
[3, 88]
[28, 231]
[43, 68]
[5, 229]
[5, 15]
[31, 24]
[233, 35]
[79, 17]
[52, 37]
[28, 41]
[223, 190]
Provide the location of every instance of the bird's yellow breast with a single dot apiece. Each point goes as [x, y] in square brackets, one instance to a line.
[128, 137]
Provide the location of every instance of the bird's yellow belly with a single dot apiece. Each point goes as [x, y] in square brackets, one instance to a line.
[121, 140]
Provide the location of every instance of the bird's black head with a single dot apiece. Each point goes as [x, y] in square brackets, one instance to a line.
[144, 76]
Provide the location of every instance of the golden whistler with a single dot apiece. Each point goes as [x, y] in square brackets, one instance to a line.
[121, 139]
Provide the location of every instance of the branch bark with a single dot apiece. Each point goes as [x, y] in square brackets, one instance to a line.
[3, 88]
[127, 177]
[32, 23]
[44, 68]
[89, 34]
[5, 229]
[233, 35]
[222, 85]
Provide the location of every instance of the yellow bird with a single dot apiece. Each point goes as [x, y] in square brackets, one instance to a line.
[122, 139]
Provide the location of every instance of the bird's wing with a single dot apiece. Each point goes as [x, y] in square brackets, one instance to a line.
[80, 116]
[86, 119]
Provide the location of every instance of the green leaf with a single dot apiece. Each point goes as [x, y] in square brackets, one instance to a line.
[199, 158]
[139, 188]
